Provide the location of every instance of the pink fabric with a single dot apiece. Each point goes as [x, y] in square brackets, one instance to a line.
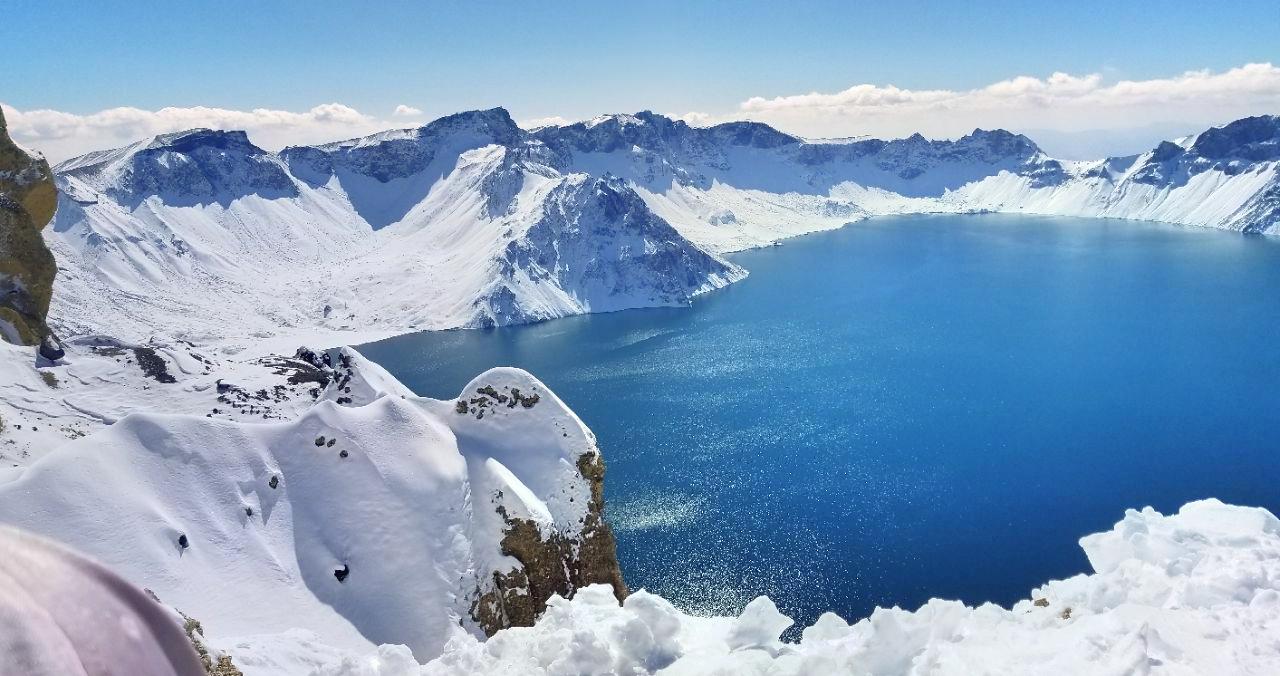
[64, 615]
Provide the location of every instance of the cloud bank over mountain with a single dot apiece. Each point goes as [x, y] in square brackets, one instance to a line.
[1073, 116]
[1089, 107]
[60, 135]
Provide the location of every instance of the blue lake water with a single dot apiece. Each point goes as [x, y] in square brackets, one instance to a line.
[912, 407]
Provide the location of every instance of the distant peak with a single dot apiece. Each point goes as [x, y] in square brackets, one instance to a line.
[994, 133]
[1255, 138]
[1001, 141]
[496, 122]
[626, 119]
[193, 139]
[748, 133]
[492, 116]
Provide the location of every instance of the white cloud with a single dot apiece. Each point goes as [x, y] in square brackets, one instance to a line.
[62, 135]
[697, 119]
[1090, 111]
[1061, 102]
[554, 120]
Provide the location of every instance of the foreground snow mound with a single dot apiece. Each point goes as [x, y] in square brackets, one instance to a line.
[99, 380]
[1197, 592]
[369, 519]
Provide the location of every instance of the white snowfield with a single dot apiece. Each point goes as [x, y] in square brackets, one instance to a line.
[365, 523]
[472, 221]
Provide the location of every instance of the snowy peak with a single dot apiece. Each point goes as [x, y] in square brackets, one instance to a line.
[495, 122]
[605, 250]
[750, 134]
[199, 166]
[399, 153]
[1255, 139]
[1232, 149]
[998, 143]
[610, 133]
[196, 140]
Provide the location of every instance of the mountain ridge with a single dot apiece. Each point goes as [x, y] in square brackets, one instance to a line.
[449, 224]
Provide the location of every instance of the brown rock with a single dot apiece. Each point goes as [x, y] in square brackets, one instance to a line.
[556, 565]
[27, 202]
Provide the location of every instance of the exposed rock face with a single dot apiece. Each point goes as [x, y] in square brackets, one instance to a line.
[555, 564]
[27, 202]
[214, 664]
[554, 544]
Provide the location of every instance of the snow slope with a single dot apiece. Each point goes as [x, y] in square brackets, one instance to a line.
[378, 520]
[100, 380]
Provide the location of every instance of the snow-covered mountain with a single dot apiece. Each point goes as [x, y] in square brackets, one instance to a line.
[458, 223]
[745, 184]
[472, 221]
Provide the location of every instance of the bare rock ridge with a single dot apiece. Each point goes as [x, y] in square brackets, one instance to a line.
[27, 268]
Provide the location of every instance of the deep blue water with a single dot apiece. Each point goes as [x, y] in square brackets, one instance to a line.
[912, 407]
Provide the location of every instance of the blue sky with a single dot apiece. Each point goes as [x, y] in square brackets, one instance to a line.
[578, 59]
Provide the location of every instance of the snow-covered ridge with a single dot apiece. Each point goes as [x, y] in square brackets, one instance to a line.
[458, 223]
[472, 221]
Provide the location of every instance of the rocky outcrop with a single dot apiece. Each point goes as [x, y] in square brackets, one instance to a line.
[214, 663]
[554, 564]
[27, 202]
[551, 532]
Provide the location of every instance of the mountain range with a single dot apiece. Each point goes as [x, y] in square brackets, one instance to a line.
[472, 221]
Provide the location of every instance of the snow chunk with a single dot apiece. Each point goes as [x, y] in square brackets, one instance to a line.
[1197, 592]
